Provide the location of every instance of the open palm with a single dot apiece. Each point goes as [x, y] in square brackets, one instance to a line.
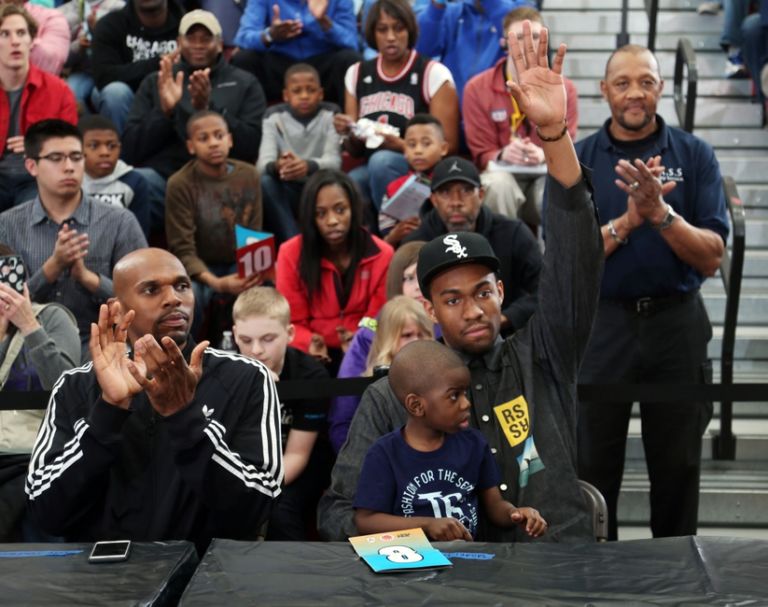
[540, 91]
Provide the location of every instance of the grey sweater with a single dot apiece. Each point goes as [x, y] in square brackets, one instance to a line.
[535, 444]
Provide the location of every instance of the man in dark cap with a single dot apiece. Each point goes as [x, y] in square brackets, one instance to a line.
[523, 389]
[457, 204]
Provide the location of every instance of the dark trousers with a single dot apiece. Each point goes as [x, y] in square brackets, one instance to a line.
[270, 68]
[16, 189]
[664, 346]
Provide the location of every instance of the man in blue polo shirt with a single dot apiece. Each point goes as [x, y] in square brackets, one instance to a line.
[664, 230]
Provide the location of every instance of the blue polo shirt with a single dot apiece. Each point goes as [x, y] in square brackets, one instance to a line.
[647, 266]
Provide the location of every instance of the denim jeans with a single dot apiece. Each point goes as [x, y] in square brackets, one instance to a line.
[373, 178]
[280, 202]
[114, 102]
[755, 48]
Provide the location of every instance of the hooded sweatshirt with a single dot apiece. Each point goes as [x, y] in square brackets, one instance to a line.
[123, 50]
[123, 187]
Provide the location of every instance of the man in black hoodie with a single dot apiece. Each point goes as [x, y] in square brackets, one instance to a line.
[127, 45]
[457, 205]
[194, 78]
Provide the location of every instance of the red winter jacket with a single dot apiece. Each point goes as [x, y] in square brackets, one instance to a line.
[323, 313]
[44, 96]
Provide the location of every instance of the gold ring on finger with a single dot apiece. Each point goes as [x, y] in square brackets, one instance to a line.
[634, 185]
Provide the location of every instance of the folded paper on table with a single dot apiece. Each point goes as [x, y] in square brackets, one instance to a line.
[398, 551]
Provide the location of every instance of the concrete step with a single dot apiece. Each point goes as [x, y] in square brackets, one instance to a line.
[751, 342]
[757, 233]
[720, 138]
[708, 87]
[610, 5]
[753, 306]
[591, 64]
[756, 262]
[751, 439]
[732, 493]
[580, 22]
[709, 114]
[745, 166]
[607, 41]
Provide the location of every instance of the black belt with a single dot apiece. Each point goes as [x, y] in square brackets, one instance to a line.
[648, 306]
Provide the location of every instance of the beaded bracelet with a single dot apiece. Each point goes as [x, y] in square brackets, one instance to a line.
[555, 138]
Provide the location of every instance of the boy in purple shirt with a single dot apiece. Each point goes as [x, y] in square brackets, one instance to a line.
[431, 472]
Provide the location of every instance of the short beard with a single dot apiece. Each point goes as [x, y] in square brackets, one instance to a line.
[635, 127]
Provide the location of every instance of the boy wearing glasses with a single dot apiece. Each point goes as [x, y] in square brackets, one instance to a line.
[457, 205]
[69, 244]
[108, 179]
[28, 95]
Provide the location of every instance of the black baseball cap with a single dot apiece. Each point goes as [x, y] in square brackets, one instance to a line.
[449, 250]
[455, 168]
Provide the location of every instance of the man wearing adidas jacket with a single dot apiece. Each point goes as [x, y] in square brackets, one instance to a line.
[150, 446]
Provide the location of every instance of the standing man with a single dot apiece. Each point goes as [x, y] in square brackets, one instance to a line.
[127, 45]
[178, 441]
[69, 244]
[28, 95]
[523, 389]
[665, 232]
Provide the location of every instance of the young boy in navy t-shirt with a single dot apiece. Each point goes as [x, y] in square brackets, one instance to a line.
[432, 472]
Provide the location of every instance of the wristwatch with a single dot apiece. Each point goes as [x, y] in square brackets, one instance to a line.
[668, 219]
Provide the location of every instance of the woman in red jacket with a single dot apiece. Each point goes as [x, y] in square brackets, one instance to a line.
[334, 272]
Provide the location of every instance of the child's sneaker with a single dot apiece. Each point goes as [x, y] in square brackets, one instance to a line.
[734, 66]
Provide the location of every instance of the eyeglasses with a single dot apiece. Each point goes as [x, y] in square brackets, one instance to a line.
[59, 157]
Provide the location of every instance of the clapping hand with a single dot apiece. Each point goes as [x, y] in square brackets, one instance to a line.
[170, 88]
[645, 192]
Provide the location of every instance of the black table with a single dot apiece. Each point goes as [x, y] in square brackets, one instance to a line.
[59, 574]
[674, 571]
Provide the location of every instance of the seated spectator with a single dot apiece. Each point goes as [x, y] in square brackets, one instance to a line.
[298, 139]
[418, 7]
[37, 344]
[274, 34]
[755, 41]
[464, 34]
[81, 16]
[263, 330]
[457, 201]
[731, 39]
[401, 280]
[333, 272]
[127, 46]
[108, 179]
[392, 88]
[50, 45]
[69, 244]
[497, 130]
[177, 441]
[436, 443]
[195, 79]
[401, 321]
[44, 96]
[204, 201]
[425, 146]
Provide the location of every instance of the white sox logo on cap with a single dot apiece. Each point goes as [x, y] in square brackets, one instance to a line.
[454, 246]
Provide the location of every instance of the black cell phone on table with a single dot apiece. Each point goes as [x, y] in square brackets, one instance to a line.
[12, 272]
[110, 552]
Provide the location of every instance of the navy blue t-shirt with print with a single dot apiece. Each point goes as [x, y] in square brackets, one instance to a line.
[397, 479]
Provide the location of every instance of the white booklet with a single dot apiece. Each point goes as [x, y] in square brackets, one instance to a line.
[408, 199]
[518, 169]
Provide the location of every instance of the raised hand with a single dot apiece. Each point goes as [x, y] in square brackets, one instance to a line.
[114, 370]
[169, 88]
[70, 247]
[540, 91]
[162, 372]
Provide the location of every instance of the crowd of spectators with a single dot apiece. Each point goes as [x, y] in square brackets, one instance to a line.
[170, 122]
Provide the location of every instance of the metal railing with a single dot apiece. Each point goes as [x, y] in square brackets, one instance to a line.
[685, 103]
[652, 10]
[731, 271]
